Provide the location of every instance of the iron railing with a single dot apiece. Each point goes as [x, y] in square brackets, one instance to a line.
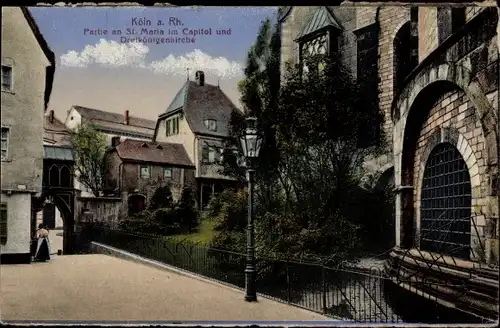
[342, 293]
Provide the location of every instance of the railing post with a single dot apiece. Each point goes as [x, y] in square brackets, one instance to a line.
[323, 281]
[288, 283]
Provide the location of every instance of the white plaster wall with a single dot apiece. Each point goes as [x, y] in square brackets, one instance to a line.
[23, 107]
[18, 223]
[76, 121]
[185, 137]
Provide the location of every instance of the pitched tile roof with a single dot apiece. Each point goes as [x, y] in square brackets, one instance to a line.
[153, 152]
[200, 103]
[97, 115]
[322, 18]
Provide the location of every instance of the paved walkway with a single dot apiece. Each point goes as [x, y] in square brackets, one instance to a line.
[102, 287]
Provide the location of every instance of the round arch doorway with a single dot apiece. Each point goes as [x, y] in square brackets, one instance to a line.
[445, 203]
[63, 202]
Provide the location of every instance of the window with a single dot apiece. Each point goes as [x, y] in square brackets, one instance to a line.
[211, 125]
[5, 142]
[145, 171]
[3, 223]
[319, 37]
[172, 126]
[6, 78]
[457, 19]
[367, 76]
[210, 155]
[445, 203]
[450, 20]
[311, 48]
[167, 172]
[404, 60]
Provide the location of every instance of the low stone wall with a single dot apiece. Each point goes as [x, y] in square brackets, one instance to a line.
[108, 210]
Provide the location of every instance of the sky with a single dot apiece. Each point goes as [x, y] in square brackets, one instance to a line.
[104, 62]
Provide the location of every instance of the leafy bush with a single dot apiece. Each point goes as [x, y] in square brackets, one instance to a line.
[229, 211]
[162, 198]
[162, 221]
[186, 210]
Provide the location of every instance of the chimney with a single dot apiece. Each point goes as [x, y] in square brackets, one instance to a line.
[200, 78]
[51, 116]
[126, 118]
[115, 141]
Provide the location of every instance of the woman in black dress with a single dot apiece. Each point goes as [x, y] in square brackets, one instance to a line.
[42, 253]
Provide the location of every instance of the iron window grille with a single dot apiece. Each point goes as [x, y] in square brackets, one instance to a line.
[445, 205]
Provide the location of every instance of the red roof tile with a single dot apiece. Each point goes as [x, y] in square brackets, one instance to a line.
[145, 151]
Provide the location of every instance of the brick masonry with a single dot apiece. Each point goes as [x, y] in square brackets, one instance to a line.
[470, 68]
[454, 112]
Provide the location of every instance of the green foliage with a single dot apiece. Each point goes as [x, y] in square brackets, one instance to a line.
[163, 217]
[89, 147]
[187, 211]
[310, 168]
[145, 222]
[228, 210]
[161, 198]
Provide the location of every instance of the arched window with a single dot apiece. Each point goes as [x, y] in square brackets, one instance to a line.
[445, 205]
[403, 61]
[65, 176]
[54, 176]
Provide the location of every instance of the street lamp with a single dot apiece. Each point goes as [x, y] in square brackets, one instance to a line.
[251, 143]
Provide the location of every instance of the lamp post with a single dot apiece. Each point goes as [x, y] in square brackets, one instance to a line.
[251, 142]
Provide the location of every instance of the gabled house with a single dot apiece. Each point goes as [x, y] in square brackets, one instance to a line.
[198, 118]
[137, 168]
[28, 67]
[110, 124]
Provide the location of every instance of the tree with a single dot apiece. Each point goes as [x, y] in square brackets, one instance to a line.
[316, 123]
[162, 198]
[259, 90]
[186, 209]
[89, 147]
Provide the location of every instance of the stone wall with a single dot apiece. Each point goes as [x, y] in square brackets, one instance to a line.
[461, 75]
[455, 113]
[108, 210]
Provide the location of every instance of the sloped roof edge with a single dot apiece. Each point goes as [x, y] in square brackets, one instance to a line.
[50, 71]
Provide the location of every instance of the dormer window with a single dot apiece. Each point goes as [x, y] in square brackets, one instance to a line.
[319, 36]
[144, 145]
[159, 147]
[211, 125]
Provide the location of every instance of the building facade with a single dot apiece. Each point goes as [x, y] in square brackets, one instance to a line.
[198, 118]
[445, 145]
[437, 88]
[111, 125]
[138, 168]
[56, 147]
[27, 74]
